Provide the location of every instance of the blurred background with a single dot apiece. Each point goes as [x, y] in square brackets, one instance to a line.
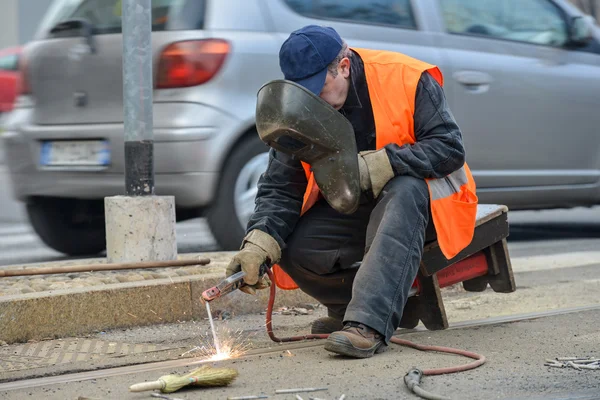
[522, 78]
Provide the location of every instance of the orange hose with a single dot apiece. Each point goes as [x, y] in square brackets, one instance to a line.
[270, 315]
[479, 359]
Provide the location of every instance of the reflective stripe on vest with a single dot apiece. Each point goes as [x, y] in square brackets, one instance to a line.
[447, 186]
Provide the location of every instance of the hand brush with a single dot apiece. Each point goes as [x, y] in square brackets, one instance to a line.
[205, 376]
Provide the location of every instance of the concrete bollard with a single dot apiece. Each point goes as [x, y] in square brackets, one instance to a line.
[140, 228]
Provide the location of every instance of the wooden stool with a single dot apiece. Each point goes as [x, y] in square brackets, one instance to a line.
[485, 261]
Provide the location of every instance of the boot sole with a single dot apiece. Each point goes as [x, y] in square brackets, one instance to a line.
[341, 345]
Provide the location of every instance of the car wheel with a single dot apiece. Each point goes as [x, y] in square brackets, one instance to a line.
[234, 204]
[70, 226]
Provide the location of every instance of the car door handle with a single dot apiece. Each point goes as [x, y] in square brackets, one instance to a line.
[475, 81]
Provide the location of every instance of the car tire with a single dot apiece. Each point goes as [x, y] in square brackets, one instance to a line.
[70, 226]
[226, 219]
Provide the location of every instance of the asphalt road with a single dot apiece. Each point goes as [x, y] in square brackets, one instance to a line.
[515, 353]
[20, 245]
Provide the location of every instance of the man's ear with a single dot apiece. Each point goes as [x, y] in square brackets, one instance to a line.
[344, 67]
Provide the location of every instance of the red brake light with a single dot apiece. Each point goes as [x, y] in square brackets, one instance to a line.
[24, 87]
[191, 63]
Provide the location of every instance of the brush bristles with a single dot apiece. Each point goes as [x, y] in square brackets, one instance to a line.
[204, 376]
[207, 376]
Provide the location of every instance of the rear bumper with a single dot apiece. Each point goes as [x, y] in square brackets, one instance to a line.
[187, 156]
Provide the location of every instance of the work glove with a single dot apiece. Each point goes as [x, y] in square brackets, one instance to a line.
[257, 248]
[375, 170]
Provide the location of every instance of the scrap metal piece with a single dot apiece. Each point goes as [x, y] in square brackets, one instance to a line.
[300, 390]
[572, 364]
[590, 366]
[577, 363]
[162, 396]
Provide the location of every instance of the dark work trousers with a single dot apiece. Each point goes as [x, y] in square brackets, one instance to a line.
[386, 234]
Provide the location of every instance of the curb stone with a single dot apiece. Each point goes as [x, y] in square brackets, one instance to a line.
[81, 310]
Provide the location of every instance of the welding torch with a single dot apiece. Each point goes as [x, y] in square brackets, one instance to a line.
[229, 284]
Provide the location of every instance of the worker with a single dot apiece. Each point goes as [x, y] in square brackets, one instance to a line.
[415, 183]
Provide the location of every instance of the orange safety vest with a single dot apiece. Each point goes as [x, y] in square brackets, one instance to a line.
[392, 79]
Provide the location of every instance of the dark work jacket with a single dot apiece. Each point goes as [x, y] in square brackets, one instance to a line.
[437, 152]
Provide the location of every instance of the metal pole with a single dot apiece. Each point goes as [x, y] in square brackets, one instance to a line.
[137, 97]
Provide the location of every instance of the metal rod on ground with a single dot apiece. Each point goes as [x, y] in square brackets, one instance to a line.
[299, 390]
[137, 97]
[102, 267]
[160, 396]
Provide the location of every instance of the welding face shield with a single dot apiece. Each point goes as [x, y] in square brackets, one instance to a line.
[294, 121]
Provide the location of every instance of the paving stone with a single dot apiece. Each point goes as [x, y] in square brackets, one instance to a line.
[147, 275]
[93, 281]
[130, 278]
[40, 287]
[11, 291]
[57, 286]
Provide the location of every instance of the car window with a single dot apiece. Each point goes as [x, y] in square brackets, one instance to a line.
[532, 21]
[105, 15]
[397, 13]
[9, 62]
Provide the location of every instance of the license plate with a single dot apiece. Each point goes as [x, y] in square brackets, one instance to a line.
[75, 153]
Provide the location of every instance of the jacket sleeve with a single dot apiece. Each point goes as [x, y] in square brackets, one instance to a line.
[438, 150]
[279, 199]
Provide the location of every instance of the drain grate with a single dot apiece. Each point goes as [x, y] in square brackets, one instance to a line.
[56, 352]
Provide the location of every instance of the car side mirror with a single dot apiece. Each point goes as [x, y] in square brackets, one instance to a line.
[580, 31]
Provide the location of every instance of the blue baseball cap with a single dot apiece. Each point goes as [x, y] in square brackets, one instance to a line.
[306, 53]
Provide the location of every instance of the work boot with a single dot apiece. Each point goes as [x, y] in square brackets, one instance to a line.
[326, 325]
[356, 340]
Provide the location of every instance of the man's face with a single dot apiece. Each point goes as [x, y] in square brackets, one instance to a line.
[336, 88]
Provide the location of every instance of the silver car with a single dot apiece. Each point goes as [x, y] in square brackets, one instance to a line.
[522, 77]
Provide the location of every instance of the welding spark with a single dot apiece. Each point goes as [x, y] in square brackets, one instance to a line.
[233, 344]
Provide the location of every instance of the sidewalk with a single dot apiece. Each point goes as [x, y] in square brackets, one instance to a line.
[51, 306]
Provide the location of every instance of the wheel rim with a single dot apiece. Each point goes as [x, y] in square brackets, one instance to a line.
[246, 188]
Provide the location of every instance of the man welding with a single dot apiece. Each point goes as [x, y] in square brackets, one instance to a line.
[414, 186]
